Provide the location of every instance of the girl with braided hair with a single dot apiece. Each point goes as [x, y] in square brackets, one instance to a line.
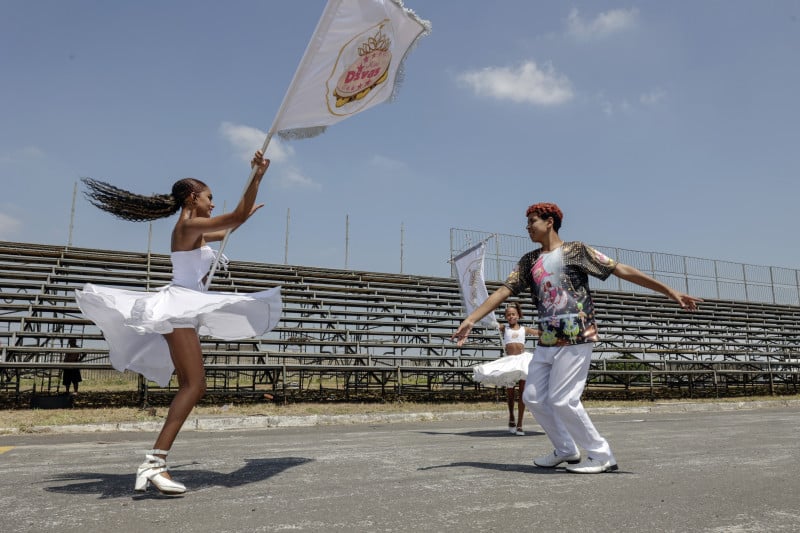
[154, 333]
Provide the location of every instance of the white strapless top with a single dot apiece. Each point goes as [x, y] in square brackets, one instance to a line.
[189, 268]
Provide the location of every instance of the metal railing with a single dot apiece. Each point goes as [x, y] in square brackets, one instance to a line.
[705, 278]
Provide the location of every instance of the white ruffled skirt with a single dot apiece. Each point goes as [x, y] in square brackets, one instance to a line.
[134, 322]
[506, 371]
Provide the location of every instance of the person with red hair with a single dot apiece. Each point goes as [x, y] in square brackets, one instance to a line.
[557, 276]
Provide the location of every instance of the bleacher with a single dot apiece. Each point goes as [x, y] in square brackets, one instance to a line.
[354, 333]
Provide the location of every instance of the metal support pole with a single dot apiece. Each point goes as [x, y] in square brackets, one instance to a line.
[744, 278]
[772, 285]
[685, 275]
[497, 275]
[346, 241]
[72, 214]
[402, 238]
[286, 243]
[453, 266]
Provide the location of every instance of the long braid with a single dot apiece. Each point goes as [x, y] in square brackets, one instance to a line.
[138, 207]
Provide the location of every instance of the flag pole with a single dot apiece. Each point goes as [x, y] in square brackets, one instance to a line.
[228, 231]
[303, 62]
[462, 253]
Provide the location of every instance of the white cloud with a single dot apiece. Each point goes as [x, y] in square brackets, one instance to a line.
[612, 108]
[8, 226]
[246, 140]
[524, 84]
[602, 25]
[653, 97]
[292, 178]
[386, 164]
[25, 153]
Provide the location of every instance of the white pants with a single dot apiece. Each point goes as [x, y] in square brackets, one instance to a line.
[556, 379]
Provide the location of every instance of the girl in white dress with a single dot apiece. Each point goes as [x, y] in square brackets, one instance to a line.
[512, 370]
[154, 333]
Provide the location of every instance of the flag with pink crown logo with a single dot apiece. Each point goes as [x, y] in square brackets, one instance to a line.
[353, 62]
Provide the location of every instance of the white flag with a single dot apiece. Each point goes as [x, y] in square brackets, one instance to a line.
[352, 63]
[469, 267]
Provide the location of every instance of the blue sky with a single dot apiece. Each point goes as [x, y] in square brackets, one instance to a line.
[656, 126]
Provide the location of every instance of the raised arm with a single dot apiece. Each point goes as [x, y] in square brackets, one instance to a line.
[491, 303]
[634, 275]
[247, 205]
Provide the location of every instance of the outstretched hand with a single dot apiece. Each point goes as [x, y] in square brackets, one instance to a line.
[461, 334]
[686, 301]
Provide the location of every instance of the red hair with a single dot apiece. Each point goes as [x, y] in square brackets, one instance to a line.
[546, 210]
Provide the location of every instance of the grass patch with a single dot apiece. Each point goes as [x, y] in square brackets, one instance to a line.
[26, 420]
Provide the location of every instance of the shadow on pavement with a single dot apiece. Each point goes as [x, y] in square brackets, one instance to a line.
[496, 433]
[121, 485]
[505, 467]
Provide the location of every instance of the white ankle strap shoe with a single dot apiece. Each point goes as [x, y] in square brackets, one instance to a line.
[151, 470]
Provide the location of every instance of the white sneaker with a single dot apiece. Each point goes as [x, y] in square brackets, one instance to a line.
[593, 466]
[512, 430]
[552, 460]
[519, 432]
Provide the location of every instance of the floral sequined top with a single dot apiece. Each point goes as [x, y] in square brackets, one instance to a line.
[559, 285]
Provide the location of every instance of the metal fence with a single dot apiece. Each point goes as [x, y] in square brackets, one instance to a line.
[705, 278]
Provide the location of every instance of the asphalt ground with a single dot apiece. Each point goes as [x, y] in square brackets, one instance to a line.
[681, 469]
